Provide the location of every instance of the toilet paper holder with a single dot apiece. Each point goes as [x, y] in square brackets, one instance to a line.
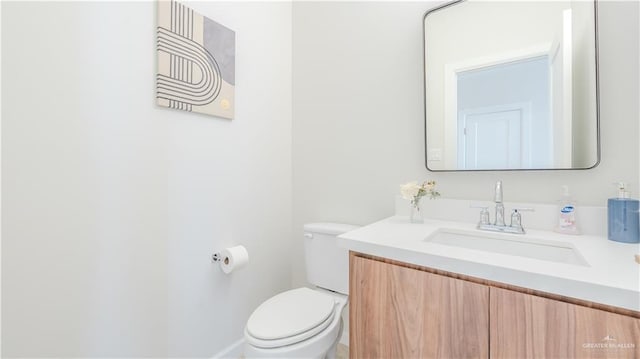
[231, 258]
[217, 257]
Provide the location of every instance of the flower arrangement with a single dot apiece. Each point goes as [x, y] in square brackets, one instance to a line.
[414, 192]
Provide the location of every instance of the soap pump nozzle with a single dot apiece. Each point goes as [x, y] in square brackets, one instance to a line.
[622, 190]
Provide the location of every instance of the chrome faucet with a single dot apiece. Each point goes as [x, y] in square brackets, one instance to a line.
[499, 225]
[499, 206]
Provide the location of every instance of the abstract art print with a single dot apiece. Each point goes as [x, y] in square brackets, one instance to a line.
[196, 62]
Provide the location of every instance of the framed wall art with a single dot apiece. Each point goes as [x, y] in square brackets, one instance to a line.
[196, 62]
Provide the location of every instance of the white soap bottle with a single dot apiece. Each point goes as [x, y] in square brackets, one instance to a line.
[567, 214]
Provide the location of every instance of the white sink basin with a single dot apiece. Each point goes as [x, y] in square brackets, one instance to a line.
[511, 244]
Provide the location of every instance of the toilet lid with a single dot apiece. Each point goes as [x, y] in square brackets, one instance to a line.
[290, 313]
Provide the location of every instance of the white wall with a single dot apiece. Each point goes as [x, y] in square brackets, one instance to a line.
[358, 115]
[112, 206]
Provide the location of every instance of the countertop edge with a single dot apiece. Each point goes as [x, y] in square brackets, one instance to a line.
[592, 292]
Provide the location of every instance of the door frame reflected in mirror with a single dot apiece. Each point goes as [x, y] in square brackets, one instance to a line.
[562, 156]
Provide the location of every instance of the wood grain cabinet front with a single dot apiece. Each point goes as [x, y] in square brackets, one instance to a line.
[399, 310]
[528, 326]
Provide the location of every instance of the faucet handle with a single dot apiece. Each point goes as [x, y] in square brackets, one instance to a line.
[516, 217]
[484, 213]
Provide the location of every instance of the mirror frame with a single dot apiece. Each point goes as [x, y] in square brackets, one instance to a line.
[424, 97]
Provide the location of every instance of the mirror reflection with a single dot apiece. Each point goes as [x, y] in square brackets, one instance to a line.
[511, 85]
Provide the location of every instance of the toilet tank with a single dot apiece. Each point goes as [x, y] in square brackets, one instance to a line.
[327, 263]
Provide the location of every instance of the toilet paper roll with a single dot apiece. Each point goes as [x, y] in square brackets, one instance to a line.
[233, 258]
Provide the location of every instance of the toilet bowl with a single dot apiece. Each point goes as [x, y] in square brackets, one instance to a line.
[299, 323]
[305, 322]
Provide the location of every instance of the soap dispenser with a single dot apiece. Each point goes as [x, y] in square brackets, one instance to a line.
[623, 217]
[567, 215]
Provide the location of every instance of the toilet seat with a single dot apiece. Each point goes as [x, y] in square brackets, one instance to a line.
[290, 317]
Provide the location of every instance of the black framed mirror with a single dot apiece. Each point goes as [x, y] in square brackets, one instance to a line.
[511, 86]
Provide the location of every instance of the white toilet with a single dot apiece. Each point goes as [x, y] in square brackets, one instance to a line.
[303, 322]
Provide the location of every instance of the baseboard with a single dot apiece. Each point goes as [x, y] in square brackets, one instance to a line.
[233, 351]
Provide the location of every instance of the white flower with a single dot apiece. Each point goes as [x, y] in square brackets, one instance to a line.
[410, 190]
[413, 191]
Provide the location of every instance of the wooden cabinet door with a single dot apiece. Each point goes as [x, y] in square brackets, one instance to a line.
[399, 312]
[527, 326]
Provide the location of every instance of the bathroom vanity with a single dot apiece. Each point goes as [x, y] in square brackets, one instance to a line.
[418, 292]
[445, 288]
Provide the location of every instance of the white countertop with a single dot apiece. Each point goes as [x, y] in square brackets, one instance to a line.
[612, 276]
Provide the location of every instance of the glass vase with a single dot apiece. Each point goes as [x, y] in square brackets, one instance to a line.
[415, 212]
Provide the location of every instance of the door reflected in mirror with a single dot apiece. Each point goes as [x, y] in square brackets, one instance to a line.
[511, 85]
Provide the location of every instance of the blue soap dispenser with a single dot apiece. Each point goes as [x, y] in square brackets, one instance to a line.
[623, 217]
